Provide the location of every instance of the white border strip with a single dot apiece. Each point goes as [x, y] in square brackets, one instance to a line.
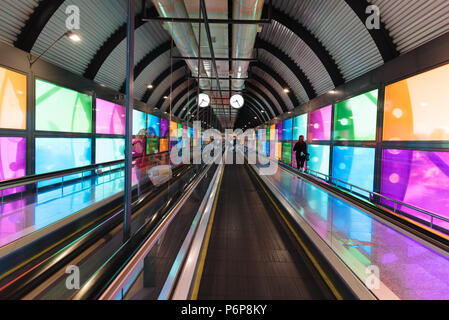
[131, 267]
[185, 282]
[178, 263]
[348, 276]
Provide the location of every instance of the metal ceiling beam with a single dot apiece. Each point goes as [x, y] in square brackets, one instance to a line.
[211, 48]
[381, 37]
[160, 78]
[255, 77]
[313, 43]
[256, 89]
[216, 59]
[36, 23]
[170, 89]
[268, 70]
[284, 58]
[149, 59]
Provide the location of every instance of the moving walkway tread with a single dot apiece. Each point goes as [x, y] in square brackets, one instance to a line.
[250, 255]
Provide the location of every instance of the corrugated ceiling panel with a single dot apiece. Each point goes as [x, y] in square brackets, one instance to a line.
[303, 56]
[276, 86]
[163, 86]
[13, 16]
[341, 32]
[292, 81]
[113, 72]
[269, 95]
[175, 93]
[263, 102]
[186, 97]
[99, 19]
[412, 23]
[150, 73]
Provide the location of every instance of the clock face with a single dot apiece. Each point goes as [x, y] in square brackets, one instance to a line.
[237, 101]
[204, 100]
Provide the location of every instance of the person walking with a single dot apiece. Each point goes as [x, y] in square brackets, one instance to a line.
[301, 152]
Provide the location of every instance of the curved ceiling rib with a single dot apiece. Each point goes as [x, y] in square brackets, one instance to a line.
[260, 92]
[254, 105]
[311, 41]
[381, 37]
[256, 101]
[107, 48]
[171, 88]
[256, 78]
[147, 60]
[111, 43]
[267, 69]
[262, 44]
[36, 23]
[171, 69]
[181, 95]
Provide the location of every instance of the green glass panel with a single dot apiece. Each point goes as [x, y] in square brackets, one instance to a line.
[152, 146]
[287, 152]
[62, 110]
[356, 118]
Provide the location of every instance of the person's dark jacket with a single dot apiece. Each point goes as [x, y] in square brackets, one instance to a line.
[300, 149]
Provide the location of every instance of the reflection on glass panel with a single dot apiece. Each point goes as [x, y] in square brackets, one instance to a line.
[356, 118]
[355, 166]
[154, 126]
[417, 108]
[13, 99]
[287, 130]
[163, 145]
[12, 160]
[111, 118]
[164, 129]
[173, 130]
[319, 158]
[139, 122]
[152, 146]
[110, 150]
[300, 126]
[419, 178]
[320, 124]
[62, 110]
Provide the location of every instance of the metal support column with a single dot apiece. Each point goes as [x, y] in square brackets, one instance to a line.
[129, 120]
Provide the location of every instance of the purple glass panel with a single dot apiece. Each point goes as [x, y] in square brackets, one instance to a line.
[320, 124]
[110, 118]
[418, 178]
[12, 160]
[279, 130]
[165, 125]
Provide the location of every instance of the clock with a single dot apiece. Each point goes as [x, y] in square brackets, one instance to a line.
[237, 101]
[204, 100]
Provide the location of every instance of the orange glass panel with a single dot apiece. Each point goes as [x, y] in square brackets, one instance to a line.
[417, 108]
[279, 150]
[163, 145]
[173, 129]
[13, 99]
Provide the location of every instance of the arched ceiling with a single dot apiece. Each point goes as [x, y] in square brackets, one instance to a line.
[311, 46]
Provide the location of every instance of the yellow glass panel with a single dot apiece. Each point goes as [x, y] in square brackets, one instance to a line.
[13, 99]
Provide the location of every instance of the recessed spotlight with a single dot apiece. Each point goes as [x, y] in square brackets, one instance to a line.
[150, 86]
[75, 37]
[287, 90]
[165, 97]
